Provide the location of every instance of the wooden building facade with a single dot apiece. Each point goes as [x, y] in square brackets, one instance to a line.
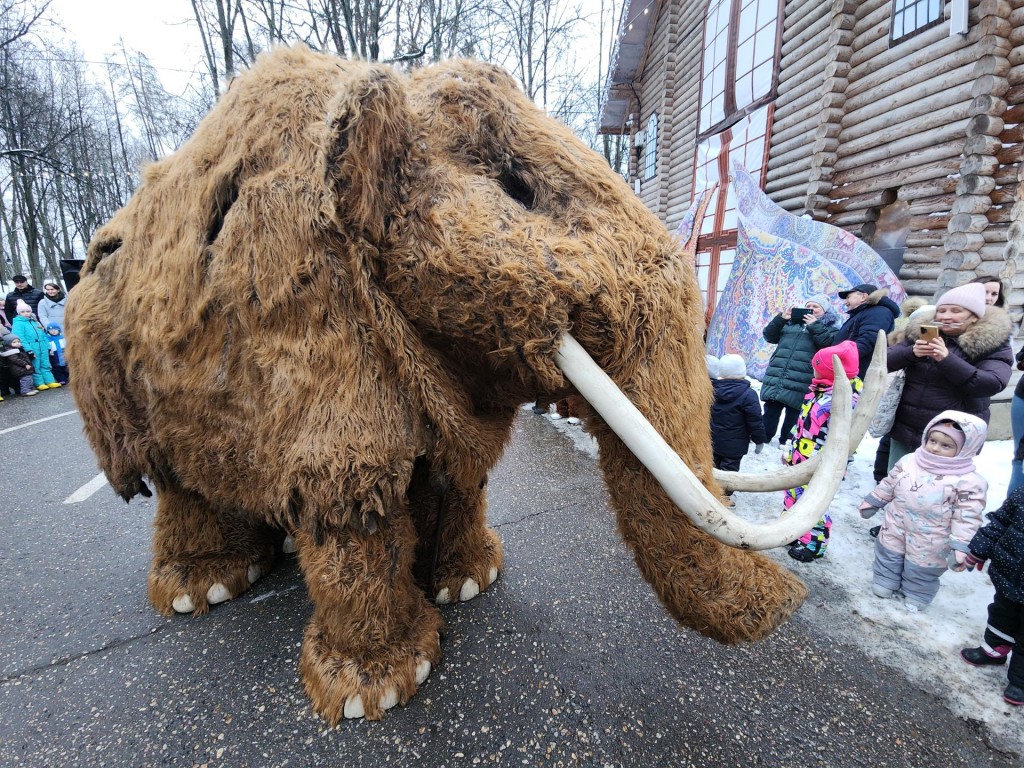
[900, 120]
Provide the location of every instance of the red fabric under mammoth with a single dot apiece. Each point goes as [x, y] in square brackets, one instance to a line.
[319, 318]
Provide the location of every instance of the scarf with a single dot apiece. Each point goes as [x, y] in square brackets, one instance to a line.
[943, 465]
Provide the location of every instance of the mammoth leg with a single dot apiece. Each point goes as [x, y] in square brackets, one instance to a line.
[374, 636]
[468, 556]
[204, 554]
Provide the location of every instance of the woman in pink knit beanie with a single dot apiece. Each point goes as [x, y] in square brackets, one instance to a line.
[961, 368]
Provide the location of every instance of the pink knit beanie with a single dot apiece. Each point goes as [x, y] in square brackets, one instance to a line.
[971, 297]
[952, 431]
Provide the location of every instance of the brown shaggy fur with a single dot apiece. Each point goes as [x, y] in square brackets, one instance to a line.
[320, 316]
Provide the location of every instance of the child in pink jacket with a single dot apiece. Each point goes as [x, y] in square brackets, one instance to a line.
[934, 500]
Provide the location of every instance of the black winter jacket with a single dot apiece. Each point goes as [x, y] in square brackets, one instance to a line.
[31, 296]
[1001, 542]
[736, 418]
[976, 369]
[789, 369]
[877, 313]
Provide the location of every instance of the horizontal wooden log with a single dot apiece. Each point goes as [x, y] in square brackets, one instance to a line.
[848, 168]
[954, 261]
[1014, 114]
[919, 53]
[975, 185]
[929, 221]
[1005, 175]
[967, 223]
[918, 287]
[892, 89]
[941, 90]
[851, 218]
[1004, 195]
[997, 231]
[925, 239]
[971, 204]
[857, 181]
[925, 189]
[988, 104]
[1012, 134]
[877, 199]
[989, 125]
[933, 205]
[999, 215]
[920, 271]
[979, 165]
[999, 8]
[951, 135]
[964, 241]
[990, 84]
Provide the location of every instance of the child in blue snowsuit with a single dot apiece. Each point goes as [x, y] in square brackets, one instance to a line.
[34, 340]
[58, 363]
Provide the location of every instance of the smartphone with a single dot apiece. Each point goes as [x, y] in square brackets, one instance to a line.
[929, 332]
[797, 315]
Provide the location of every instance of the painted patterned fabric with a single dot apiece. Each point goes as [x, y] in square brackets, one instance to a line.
[782, 259]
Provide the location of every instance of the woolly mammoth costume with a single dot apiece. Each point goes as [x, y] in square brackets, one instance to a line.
[319, 318]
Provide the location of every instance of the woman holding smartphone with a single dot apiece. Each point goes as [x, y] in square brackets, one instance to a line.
[955, 359]
[798, 332]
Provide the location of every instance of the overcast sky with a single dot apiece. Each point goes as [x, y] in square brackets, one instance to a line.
[158, 28]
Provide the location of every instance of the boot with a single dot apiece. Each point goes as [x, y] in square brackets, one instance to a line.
[1014, 694]
[979, 657]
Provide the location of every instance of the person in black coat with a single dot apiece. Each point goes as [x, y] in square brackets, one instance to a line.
[25, 292]
[1001, 543]
[870, 311]
[736, 418]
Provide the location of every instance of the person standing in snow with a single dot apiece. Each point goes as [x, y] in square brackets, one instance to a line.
[933, 499]
[1001, 542]
[810, 432]
[736, 418]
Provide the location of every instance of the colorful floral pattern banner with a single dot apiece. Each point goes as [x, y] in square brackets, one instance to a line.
[857, 260]
[781, 260]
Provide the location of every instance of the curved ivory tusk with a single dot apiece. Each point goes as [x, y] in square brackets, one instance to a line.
[682, 486]
[800, 474]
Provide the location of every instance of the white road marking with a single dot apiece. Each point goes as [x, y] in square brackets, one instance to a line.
[87, 490]
[37, 421]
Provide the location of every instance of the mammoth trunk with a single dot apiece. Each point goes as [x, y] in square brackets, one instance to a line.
[731, 595]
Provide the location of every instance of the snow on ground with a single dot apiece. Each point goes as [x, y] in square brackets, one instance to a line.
[924, 646]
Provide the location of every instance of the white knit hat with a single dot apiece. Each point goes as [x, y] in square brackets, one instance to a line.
[712, 363]
[971, 297]
[731, 367]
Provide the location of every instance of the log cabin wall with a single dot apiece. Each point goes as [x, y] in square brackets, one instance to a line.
[654, 94]
[933, 123]
[685, 62]
[802, 75]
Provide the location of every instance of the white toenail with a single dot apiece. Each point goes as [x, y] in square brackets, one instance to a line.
[289, 545]
[470, 589]
[254, 573]
[442, 597]
[354, 707]
[183, 604]
[218, 593]
[422, 671]
[389, 699]
[492, 575]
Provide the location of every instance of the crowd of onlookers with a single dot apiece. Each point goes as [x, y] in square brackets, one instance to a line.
[946, 361]
[32, 324]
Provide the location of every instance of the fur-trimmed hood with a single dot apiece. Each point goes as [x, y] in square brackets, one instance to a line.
[981, 339]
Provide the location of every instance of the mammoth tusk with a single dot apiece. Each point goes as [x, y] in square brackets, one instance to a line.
[800, 474]
[682, 486]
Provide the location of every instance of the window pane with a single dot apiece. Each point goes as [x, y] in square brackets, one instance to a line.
[912, 16]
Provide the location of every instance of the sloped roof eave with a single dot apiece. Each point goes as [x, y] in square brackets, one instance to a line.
[630, 52]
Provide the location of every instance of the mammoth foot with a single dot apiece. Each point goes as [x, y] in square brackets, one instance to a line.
[192, 587]
[462, 579]
[366, 683]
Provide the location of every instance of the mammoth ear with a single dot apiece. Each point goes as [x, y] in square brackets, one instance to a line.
[367, 148]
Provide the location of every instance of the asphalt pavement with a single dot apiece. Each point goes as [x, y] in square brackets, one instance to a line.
[568, 660]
